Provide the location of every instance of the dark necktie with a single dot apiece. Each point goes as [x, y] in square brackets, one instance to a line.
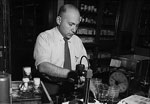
[67, 59]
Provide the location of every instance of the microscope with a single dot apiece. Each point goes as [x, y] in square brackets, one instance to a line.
[87, 74]
[73, 89]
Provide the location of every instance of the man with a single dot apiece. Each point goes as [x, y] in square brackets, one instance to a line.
[49, 47]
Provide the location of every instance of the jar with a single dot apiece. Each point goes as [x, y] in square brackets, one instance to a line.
[5, 81]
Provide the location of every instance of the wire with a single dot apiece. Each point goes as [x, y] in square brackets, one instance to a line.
[86, 59]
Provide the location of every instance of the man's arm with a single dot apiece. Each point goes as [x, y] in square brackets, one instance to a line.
[53, 70]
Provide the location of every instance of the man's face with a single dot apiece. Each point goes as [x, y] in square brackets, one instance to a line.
[69, 22]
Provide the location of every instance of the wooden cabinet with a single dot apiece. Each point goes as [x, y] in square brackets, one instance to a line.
[109, 19]
[24, 28]
[141, 42]
[107, 30]
[143, 37]
[28, 19]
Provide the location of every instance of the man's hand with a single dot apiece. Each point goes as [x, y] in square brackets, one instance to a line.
[73, 76]
[82, 79]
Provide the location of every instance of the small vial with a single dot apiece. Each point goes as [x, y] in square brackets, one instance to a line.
[36, 82]
[27, 72]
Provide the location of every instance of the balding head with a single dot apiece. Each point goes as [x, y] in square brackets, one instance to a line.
[68, 20]
[66, 7]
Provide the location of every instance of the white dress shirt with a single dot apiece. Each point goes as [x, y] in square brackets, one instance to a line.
[49, 47]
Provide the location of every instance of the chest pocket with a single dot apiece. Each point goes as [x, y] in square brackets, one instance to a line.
[76, 56]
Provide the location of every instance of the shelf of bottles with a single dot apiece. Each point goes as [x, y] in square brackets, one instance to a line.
[143, 28]
[109, 20]
[88, 24]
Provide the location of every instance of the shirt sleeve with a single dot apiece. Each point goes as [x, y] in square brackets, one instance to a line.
[42, 49]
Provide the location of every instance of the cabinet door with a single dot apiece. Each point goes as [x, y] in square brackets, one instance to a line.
[109, 15]
[142, 36]
[143, 40]
[28, 19]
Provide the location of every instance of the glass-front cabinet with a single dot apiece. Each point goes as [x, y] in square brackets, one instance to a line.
[144, 26]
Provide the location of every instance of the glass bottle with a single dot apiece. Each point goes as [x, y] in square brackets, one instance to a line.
[27, 73]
